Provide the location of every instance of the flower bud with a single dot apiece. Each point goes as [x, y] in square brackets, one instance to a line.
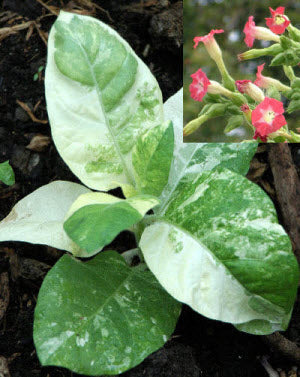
[247, 87]
[257, 53]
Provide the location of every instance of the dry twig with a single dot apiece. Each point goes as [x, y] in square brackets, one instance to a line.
[42, 34]
[4, 294]
[30, 113]
[50, 8]
[271, 372]
[6, 31]
[283, 345]
[287, 186]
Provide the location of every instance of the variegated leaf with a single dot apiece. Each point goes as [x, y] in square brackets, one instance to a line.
[39, 217]
[100, 98]
[101, 317]
[219, 248]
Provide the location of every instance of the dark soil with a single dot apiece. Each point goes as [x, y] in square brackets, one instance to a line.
[199, 347]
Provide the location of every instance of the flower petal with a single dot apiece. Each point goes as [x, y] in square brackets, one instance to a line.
[249, 31]
[273, 24]
[208, 37]
[260, 114]
[199, 85]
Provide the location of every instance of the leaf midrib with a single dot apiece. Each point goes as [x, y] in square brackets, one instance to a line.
[107, 123]
[163, 206]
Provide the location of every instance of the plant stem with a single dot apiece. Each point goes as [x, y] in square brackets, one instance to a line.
[227, 80]
[130, 254]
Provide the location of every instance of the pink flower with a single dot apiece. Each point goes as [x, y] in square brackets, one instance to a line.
[198, 87]
[202, 85]
[264, 139]
[211, 46]
[246, 86]
[253, 32]
[278, 23]
[207, 38]
[260, 79]
[267, 118]
[267, 82]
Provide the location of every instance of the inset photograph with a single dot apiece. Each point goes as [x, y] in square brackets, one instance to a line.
[241, 71]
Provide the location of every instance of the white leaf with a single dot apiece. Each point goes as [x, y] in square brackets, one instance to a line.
[39, 217]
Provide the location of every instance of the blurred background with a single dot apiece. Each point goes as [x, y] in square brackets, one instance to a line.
[200, 16]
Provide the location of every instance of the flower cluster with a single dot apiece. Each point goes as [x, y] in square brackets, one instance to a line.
[254, 104]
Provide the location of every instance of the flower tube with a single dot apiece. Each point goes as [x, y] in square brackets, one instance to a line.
[215, 53]
[253, 32]
[268, 82]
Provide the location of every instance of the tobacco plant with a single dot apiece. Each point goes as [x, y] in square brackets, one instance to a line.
[256, 105]
[206, 236]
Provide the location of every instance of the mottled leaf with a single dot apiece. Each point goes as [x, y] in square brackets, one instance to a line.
[219, 248]
[39, 217]
[152, 157]
[7, 174]
[192, 159]
[102, 318]
[173, 110]
[100, 97]
[97, 218]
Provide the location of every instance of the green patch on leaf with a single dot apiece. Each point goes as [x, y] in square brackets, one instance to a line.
[152, 157]
[104, 159]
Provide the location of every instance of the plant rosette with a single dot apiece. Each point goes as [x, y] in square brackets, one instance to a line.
[258, 97]
[206, 236]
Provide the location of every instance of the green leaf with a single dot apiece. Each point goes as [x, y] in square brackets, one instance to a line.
[152, 157]
[294, 33]
[219, 248]
[296, 83]
[294, 105]
[7, 174]
[39, 217]
[101, 317]
[288, 57]
[234, 110]
[95, 219]
[234, 122]
[285, 42]
[100, 98]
